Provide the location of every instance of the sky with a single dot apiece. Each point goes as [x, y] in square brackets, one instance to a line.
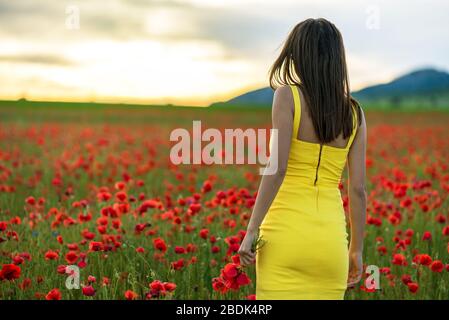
[197, 52]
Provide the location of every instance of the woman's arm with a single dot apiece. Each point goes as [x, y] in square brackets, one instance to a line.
[357, 203]
[282, 115]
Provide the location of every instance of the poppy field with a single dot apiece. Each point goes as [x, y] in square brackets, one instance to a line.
[93, 187]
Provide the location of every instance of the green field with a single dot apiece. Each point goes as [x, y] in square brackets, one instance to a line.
[96, 167]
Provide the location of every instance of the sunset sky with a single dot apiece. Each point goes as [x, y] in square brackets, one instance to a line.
[198, 51]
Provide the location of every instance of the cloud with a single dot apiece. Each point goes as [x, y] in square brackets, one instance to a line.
[214, 46]
[46, 19]
[46, 59]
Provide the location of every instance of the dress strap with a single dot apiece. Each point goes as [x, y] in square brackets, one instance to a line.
[297, 114]
[355, 126]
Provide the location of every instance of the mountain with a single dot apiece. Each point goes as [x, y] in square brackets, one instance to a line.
[257, 97]
[417, 83]
[421, 88]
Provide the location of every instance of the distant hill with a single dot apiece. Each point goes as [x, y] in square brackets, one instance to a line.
[420, 88]
[420, 82]
[257, 97]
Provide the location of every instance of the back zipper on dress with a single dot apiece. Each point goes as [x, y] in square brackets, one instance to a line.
[318, 165]
[316, 178]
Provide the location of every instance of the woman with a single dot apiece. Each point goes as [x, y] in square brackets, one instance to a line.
[299, 213]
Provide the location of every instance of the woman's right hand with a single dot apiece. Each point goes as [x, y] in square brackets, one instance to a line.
[247, 255]
[355, 268]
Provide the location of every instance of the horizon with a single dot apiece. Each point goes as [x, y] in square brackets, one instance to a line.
[129, 50]
[131, 102]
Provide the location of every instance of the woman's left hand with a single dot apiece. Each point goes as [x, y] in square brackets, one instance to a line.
[355, 268]
[247, 255]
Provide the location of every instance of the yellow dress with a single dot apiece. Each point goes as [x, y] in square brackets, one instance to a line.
[305, 254]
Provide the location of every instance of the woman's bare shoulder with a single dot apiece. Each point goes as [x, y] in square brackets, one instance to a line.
[283, 99]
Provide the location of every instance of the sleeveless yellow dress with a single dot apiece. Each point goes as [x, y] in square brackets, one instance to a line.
[305, 254]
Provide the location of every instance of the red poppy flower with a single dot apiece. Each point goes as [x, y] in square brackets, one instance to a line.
[87, 234]
[230, 271]
[243, 279]
[53, 294]
[180, 250]
[159, 244]
[130, 295]
[385, 270]
[406, 279]
[17, 260]
[85, 217]
[121, 196]
[204, 233]
[157, 285]
[105, 281]
[10, 272]
[169, 286]
[425, 259]
[120, 185]
[440, 218]
[88, 291]
[233, 248]
[157, 289]
[15, 220]
[30, 201]
[25, 255]
[26, 283]
[194, 208]
[207, 186]
[116, 224]
[437, 266]
[399, 259]
[61, 269]
[104, 196]
[220, 194]
[427, 236]
[236, 259]
[140, 227]
[178, 265]
[95, 246]
[51, 255]
[102, 229]
[382, 250]
[413, 287]
[71, 257]
[218, 284]
[446, 231]
[72, 246]
[409, 233]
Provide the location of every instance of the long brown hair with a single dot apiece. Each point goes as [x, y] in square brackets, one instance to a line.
[313, 57]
